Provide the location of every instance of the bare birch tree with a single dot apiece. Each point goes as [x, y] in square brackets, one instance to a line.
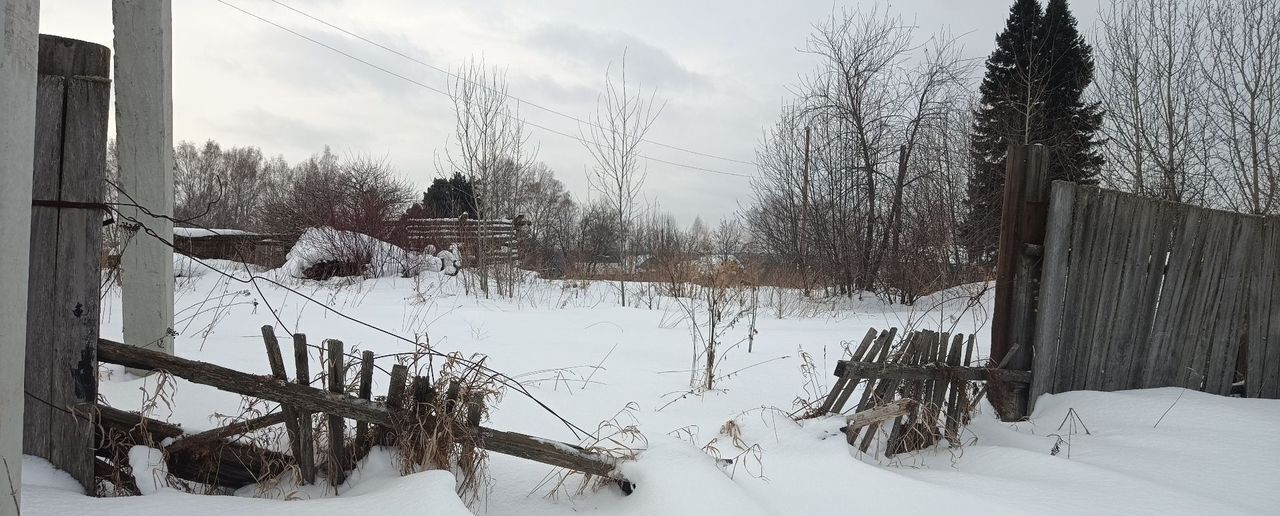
[622, 118]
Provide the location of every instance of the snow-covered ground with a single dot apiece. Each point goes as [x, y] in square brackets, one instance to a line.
[593, 361]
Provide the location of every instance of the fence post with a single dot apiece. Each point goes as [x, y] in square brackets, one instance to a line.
[72, 102]
[1022, 227]
[144, 137]
[18, 56]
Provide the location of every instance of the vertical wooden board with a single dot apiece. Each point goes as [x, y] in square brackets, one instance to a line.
[1229, 324]
[1167, 217]
[75, 369]
[1198, 335]
[1053, 280]
[1101, 275]
[953, 392]
[1270, 385]
[1118, 335]
[848, 382]
[1008, 247]
[1089, 241]
[306, 444]
[38, 403]
[337, 425]
[1186, 244]
[881, 357]
[1264, 281]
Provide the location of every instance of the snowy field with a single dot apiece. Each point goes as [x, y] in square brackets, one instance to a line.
[595, 362]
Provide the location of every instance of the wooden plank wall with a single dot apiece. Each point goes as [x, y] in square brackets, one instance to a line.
[1139, 293]
[498, 238]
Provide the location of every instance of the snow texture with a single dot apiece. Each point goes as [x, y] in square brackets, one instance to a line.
[593, 361]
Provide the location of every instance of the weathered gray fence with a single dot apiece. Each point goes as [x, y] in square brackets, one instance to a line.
[1139, 293]
[66, 233]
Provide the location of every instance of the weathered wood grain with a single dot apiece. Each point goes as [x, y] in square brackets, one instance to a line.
[306, 453]
[1055, 269]
[276, 360]
[337, 424]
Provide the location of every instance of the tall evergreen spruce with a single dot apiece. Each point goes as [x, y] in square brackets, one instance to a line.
[1072, 124]
[1031, 93]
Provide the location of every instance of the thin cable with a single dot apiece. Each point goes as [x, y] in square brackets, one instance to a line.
[500, 92]
[445, 93]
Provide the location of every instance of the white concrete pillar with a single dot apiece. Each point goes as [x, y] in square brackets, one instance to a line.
[144, 137]
[19, 30]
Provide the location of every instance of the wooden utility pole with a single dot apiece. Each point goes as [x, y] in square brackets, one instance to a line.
[144, 139]
[73, 99]
[803, 230]
[19, 25]
[1018, 263]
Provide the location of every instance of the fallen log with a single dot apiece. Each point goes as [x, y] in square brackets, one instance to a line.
[233, 429]
[314, 400]
[214, 462]
[931, 372]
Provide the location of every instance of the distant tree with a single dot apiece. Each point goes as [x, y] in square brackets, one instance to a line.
[449, 198]
[1071, 121]
[1033, 92]
[1008, 112]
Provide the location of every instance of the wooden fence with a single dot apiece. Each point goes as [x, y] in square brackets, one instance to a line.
[1137, 293]
[498, 239]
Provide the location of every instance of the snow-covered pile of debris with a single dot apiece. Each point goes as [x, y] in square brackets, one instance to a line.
[321, 253]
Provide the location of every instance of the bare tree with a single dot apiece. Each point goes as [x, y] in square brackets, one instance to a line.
[1152, 87]
[489, 148]
[1242, 63]
[612, 136]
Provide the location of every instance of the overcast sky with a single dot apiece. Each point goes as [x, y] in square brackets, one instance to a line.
[723, 68]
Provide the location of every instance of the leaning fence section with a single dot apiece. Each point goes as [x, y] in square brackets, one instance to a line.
[1138, 293]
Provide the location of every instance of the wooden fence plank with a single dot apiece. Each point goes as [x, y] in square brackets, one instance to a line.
[1198, 336]
[1167, 217]
[1053, 286]
[841, 382]
[337, 425]
[1104, 299]
[1090, 299]
[1118, 334]
[39, 404]
[1230, 325]
[1270, 385]
[276, 360]
[306, 431]
[365, 392]
[1184, 253]
[1085, 251]
[880, 357]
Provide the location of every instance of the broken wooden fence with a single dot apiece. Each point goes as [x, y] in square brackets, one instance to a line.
[1140, 293]
[923, 383]
[377, 422]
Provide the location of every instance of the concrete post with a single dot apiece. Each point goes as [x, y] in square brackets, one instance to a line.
[19, 28]
[144, 139]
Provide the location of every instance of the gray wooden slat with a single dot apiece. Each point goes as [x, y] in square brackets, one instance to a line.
[1270, 385]
[39, 404]
[74, 372]
[1104, 276]
[1167, 217]
[1166, 337]
[872, 383]
[851, 381]
[1229, 321]
[1083, 286]
[1118, 335]
[1262, 274]
[1053, 286]
[953, 393]
[1198, 336]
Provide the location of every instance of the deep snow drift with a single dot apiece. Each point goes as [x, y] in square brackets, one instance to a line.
[593, 361]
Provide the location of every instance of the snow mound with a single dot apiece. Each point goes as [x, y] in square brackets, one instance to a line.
[376, 258]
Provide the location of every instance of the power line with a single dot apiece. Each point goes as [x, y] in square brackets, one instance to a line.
[445, 93]
[500, 92]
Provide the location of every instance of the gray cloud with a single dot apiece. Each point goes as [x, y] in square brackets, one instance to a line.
[651, 66]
